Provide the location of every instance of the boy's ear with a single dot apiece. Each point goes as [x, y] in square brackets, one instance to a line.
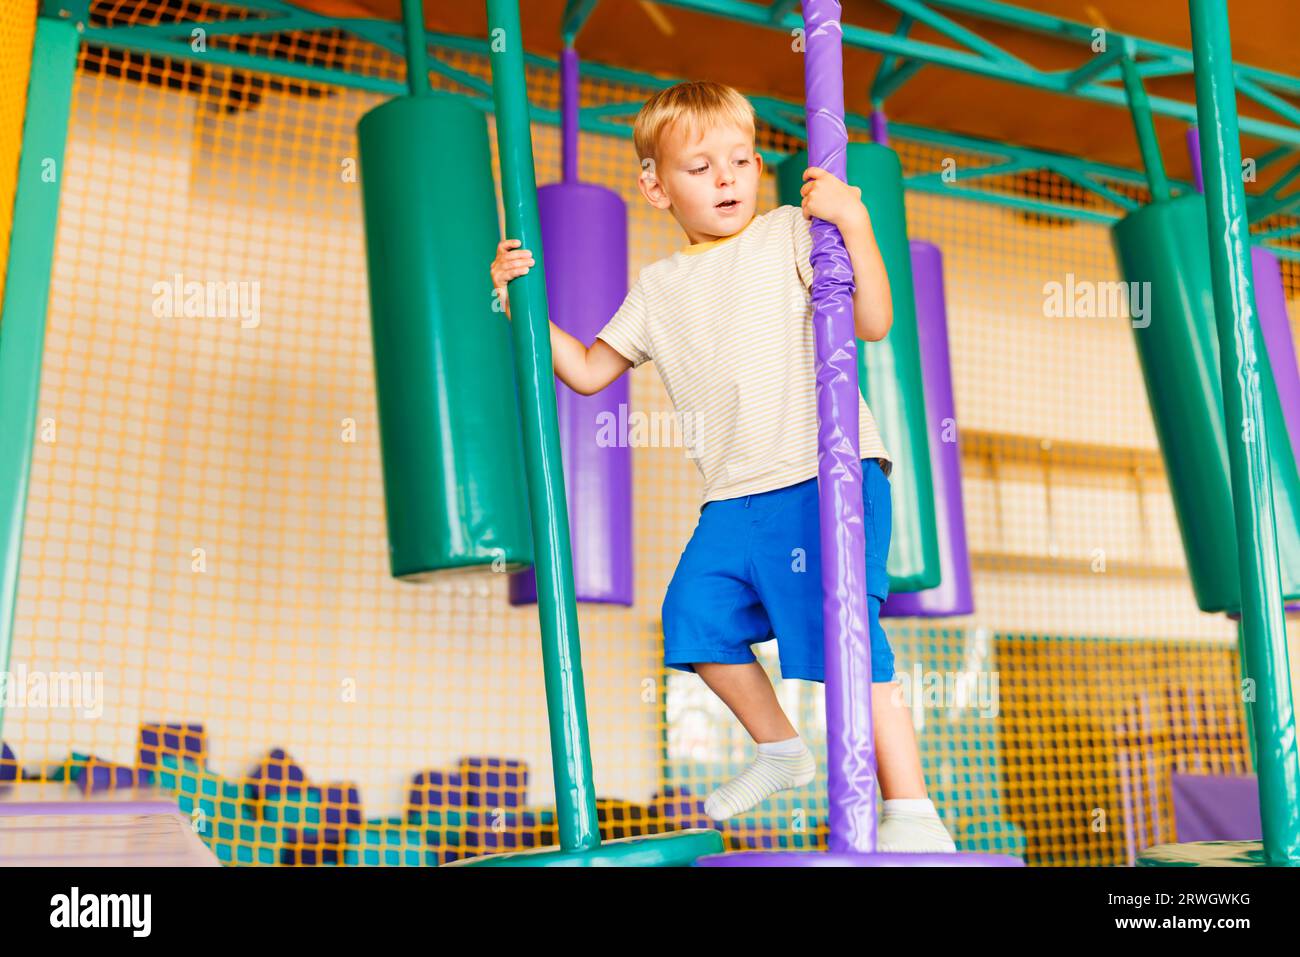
[651, 188]
[758, 161]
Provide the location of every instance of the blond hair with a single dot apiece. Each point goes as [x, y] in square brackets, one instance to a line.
[698, 105]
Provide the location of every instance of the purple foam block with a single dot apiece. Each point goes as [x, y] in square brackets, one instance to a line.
[186, 740]
[493, 782]
[100, 776]
[275, 770]
[433, 792]
[954, 594]
[678, 807]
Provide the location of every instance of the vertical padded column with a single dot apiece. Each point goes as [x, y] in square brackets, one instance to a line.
[454, 484]
[1166, 244]
[584, 243]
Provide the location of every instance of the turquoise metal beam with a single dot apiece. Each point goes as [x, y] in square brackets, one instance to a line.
[1004, 67]
[1032, 21]
[1144, 126]
[1094, 68]
[1266, 98]
[1007, 67]
[780, 8]
[894, 71]
[778, 114]
[775, 112]
[78, 11]
[1289, 206]
[1282, 252]
[1271, 202]
[887, 84]
[1263, 625]
[954, 31]
[991, 60]
[576, 13]
[1273, 155]
[181, 29]
[243, 61]
[417, 53]
[27, 290]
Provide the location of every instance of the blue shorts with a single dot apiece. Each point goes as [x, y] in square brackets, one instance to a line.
[752, 572]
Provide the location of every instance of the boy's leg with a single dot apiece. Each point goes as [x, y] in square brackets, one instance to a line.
[746, 690]
[909, 821]
[783, 761]
[898, 760]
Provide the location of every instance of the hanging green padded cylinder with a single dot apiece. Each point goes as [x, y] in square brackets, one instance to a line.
[1167, 244]
[444, 364]
[889, 371]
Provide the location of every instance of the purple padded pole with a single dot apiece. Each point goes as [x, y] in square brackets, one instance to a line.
[569, 112]
[584, 246]
[954, 594]
[850, 751]
[850, 756]
[1270, 303]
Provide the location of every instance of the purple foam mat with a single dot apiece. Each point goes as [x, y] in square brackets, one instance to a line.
[58, 797]
[98, 840]
[21, 808]
[852, 859]
[54, 824]
[1216, 807]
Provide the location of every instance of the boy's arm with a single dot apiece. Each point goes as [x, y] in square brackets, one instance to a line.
[828, 197]
[585, 370]
[873, 307]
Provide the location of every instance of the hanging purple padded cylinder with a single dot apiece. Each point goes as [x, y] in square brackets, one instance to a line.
[584, 246]
[953, 595]
[1270, 300]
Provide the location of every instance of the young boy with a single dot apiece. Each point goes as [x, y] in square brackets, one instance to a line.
[728, 322]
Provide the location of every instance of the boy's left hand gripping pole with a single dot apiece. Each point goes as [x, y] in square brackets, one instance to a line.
[561, 654]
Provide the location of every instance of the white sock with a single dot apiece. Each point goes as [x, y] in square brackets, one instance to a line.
[790, 746]
[913, 831]
[768, 774]
[922, 807]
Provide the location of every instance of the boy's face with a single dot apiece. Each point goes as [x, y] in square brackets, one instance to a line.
[708, 181]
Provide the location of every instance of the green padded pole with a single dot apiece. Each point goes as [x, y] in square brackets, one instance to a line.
[27, 289]
[1263, 625]
[889, 371]
[575, 796]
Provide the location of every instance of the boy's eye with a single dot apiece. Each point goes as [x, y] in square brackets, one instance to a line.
[742, 162]
[698, 170]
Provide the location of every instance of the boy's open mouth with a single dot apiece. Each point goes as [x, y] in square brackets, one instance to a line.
[728, 203]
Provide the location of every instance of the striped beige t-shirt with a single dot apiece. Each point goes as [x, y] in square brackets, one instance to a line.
[728, 324]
